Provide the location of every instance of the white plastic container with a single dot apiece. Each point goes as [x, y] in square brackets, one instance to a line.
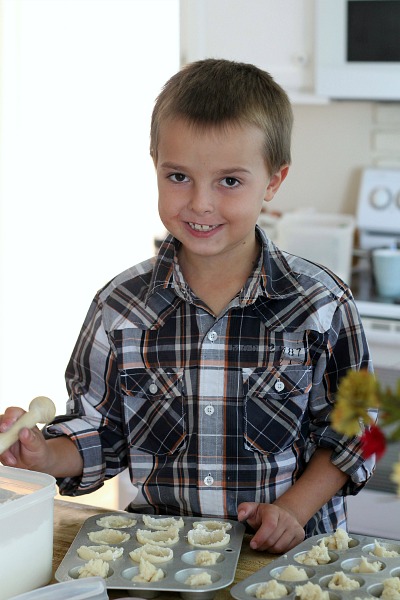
[326, 239]
[92, 588]
[26, 530]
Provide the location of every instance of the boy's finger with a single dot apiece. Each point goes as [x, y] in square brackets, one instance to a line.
[8, 459]
[10, 416]
[265, 537]
[246, 511]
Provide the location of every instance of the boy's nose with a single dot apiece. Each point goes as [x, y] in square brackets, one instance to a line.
[201, 201]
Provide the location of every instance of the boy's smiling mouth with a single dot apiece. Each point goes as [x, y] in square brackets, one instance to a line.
[198, 227]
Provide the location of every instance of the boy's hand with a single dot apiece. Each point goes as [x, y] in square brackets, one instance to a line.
[277, 529]
[30, 452]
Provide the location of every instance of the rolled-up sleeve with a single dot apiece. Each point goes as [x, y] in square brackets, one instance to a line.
[93, 417]
[344, 347]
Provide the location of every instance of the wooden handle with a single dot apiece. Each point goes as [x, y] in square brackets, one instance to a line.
[41, 410]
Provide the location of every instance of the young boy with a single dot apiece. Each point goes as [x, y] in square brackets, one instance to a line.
[211, 370]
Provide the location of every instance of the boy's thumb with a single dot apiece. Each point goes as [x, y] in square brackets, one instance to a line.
[29, 439]
[245, 511]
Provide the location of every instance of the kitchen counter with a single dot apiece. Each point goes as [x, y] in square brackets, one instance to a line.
[70, 516]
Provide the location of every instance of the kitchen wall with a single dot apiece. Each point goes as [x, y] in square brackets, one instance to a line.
[332, 141]
[331, 144]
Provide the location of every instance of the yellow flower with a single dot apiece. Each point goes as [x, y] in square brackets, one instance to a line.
[344, 419]
[358, 391]
[395, 476]
[358, 399]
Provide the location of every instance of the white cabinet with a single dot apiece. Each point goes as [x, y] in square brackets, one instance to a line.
[276, 35]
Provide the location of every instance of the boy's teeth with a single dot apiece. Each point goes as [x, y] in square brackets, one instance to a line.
[198, 227]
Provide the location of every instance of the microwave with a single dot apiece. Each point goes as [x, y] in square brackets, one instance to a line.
[357, 49]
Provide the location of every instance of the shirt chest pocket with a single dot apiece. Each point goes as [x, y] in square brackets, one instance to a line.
[275, 403]
[154, 409]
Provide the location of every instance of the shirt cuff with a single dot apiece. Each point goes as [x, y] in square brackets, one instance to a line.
[88, 443]
[356, 467]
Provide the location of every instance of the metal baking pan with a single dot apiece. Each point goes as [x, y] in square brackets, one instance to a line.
[341, 560]
[176, 570]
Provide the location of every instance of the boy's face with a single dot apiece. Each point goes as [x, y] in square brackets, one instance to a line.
[212, 184]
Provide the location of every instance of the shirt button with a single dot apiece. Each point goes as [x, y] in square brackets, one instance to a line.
[279, 386]
[209, 409]
[212, 336]
[208, 480]
[153, 388]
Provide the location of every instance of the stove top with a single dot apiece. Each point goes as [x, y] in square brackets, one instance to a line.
[368, 301]
[378, 224]
[378, 211]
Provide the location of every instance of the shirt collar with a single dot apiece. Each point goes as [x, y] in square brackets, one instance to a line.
[165, 271]
[276, 277]
[272, 276]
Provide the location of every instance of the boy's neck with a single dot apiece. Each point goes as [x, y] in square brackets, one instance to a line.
[217, 280]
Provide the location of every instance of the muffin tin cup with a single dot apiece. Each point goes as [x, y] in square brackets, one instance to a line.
[176, 570]
[371, 584]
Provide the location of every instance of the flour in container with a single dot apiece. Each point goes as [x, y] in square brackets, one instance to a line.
[7, 496]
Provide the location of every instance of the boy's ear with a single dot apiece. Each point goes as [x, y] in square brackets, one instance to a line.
[275, 182]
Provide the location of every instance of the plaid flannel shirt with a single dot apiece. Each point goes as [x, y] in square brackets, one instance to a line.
[206, 411]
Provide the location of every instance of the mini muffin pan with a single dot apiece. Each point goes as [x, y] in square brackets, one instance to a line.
[371, 585]
[176, 571]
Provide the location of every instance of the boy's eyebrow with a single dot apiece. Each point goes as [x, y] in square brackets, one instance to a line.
[232, 170]
[175, 167]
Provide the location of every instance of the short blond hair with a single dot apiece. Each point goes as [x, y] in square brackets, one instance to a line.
[218, 93]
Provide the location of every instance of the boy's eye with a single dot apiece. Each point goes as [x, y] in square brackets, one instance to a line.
[230, 182]
[177, 177]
